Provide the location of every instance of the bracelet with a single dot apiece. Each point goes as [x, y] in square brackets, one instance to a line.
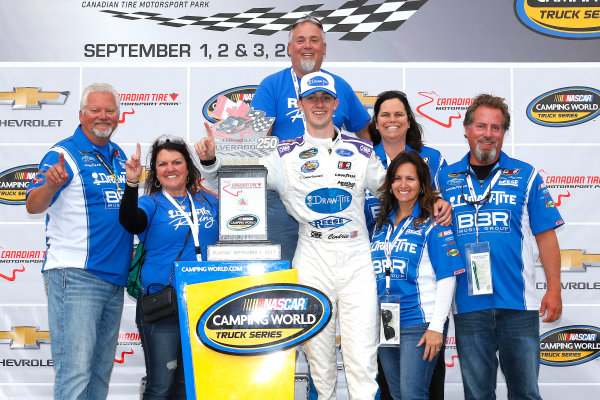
[132, 184]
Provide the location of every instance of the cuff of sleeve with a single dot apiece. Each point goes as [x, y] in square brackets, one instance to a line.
[208, 163]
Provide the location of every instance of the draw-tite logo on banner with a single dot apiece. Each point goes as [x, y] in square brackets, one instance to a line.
[565, 106]
[566, 19]
[443, 110]
[264, 318]
[570, 345]
[31, 98]
[355, 20]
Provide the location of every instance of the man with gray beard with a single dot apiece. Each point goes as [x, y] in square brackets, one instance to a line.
[277, 96]
[502, 214]
[79, 184]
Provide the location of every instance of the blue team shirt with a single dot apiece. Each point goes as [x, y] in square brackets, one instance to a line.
[432, 158]
[82, 222]
[277, 97]
[166, 232]
[519, 207]
[419, 258]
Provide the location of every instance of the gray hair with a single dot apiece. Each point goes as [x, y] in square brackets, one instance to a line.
[307, 18]
[99, 87]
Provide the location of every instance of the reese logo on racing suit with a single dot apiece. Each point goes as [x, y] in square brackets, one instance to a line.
[330, 222]
[264, 318]
[328, 200]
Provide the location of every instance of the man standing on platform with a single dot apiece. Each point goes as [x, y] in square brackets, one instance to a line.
[501, 209]
[277, 96]
[80, 183]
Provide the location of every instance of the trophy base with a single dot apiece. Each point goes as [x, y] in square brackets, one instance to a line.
[261, 250]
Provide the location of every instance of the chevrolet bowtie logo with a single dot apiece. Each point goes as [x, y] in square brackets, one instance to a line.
[30, 98]
[367, 101]
[576, 259]
[24, 337]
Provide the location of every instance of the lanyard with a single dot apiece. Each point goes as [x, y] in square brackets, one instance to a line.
[192, 222]
[297, 90]
[109, 169]
[388, 246]
[478, 203]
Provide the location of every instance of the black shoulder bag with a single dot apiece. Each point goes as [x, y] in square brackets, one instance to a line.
[162, 304]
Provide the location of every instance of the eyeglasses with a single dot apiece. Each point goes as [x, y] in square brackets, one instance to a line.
[386, 318]
[169, 139]
[307, 18]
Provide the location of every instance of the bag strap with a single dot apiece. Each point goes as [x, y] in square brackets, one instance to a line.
[178, 256]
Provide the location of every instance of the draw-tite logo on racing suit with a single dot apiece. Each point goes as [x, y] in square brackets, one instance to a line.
[264, 318]
[14, 183]
[443, 110]
[31, 98]
[570, 345]
[239, 93]
[565, 106]
[567, 19]
[328, 200]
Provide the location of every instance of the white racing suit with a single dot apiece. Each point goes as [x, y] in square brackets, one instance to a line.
[321, 183]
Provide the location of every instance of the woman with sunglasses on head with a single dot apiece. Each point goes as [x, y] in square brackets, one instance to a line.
[174, 218]
[419, 259]
[394, 129]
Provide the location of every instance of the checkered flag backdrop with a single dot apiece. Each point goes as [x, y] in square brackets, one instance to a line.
[355, 19]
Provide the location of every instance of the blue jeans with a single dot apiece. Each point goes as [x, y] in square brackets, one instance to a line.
[161, 341]
[515, 335]
[406, 373]
[84, 314]
[281, 228]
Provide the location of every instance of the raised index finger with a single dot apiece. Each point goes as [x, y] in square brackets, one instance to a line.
[138, 151]
[61, 160]
[209, 132]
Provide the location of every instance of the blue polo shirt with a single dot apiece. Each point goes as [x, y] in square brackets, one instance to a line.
[82, 222]
[419, 258]
[518, 208]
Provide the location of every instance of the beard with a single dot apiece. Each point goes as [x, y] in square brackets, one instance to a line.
[485, 157]
[100, 134]
[307, 65]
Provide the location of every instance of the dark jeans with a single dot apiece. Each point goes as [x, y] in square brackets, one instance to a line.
[161, 341]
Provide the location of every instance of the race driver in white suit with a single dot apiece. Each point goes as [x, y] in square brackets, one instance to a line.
[321, 177]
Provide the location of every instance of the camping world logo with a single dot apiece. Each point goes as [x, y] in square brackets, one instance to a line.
[565, 106]
[570, 345]
[568, 19]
